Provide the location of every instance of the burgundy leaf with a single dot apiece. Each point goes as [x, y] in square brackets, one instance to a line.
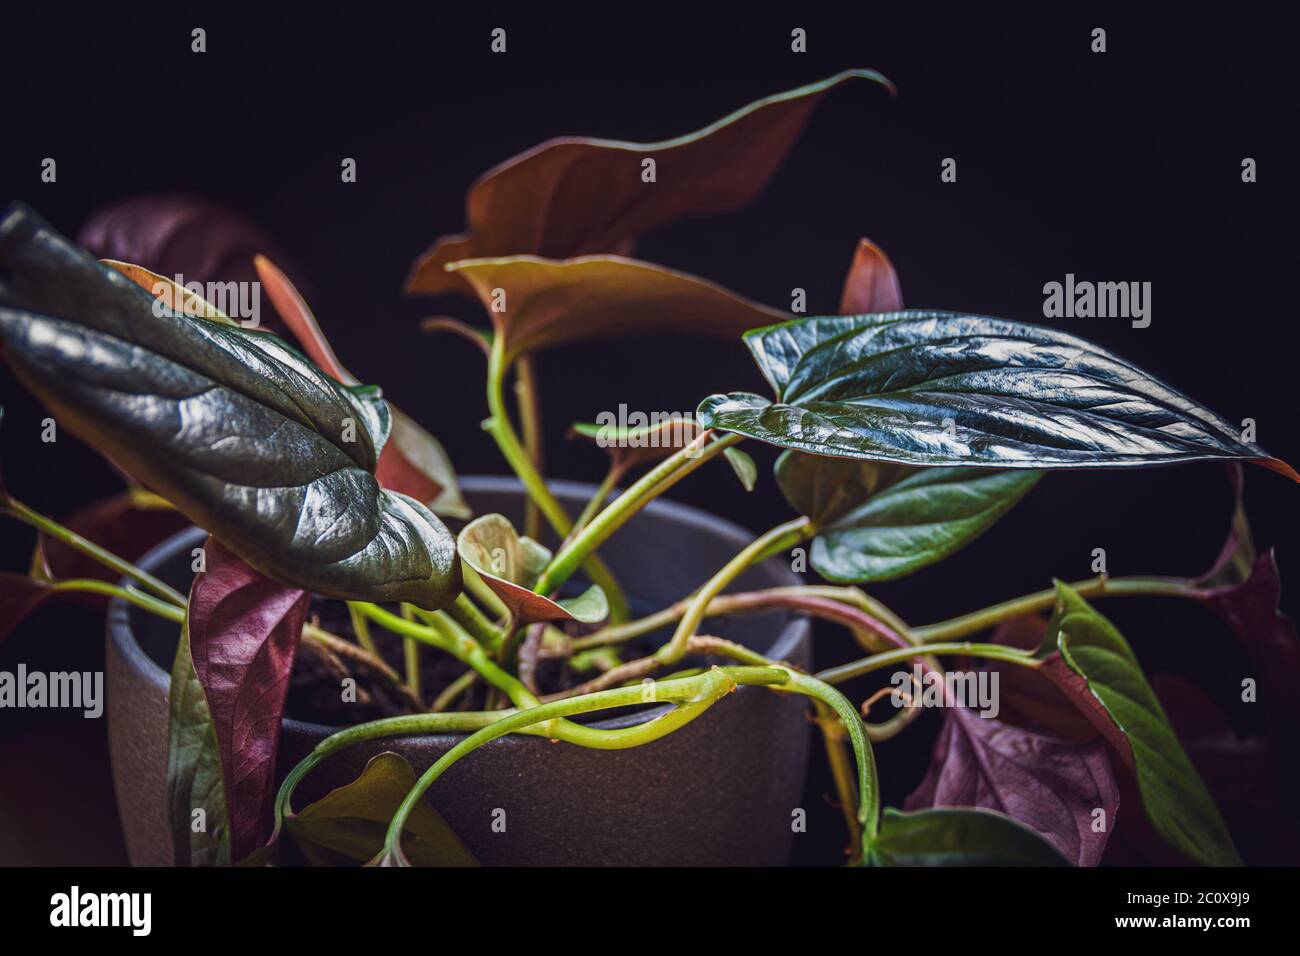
[178, 235]
[1049, 785]
[1269, 637]
[19, 596]
[871, 285]
[244, 631]
[1245, 589]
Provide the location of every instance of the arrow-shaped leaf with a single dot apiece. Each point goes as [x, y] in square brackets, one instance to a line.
[879, 521]
[574, 196]
[944, 388]
[1092, 664]
[239, 431]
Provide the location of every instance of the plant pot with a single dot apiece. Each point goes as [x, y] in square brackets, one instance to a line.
[720, 791]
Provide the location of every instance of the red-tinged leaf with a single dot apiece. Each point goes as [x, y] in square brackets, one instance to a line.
[574, 196]
[116, 524]
[548, 302]
[1051, 786]
[175, 297]
[510, 564]
[1029, 698]
[177, 235]
[19, 597]
[244, 630]
[871, 285]
[412, 462]
[1244, 589]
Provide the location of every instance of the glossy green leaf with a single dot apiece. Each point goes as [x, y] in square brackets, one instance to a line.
[238, 430]
[879, 521]
[943, 388]
[510, 564]
[536, 304]
[953, 837]
[196, 796]
[348, 825]
[575, 196]
[1089, 660]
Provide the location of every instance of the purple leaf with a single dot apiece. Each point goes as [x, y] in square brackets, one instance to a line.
[1049, 785]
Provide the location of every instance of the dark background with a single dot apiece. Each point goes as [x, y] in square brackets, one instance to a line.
[1120, 166]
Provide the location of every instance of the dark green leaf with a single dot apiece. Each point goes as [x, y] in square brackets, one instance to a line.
[239, 431]
[942, 388]
[194, 776]
[1089, 660]
[348, 825]
[879, 521]
[948, 837]
[574, 196]
[510, 564]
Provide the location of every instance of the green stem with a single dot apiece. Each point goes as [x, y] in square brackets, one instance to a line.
[453, 690]
[530, 417]
[502, 431]
[464, 613]
[1101, 586]
[148, 602]
[481, 592]
[778, 538]
[87, 547]
[607, 485]
[462, 646]
[997, 652]
[693, 695]
[837, 756]
[868, 781]
[411, 656]
[361, 627]
[461, 723]
[653, 483]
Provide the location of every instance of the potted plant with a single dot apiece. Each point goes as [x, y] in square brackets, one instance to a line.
[491, 662]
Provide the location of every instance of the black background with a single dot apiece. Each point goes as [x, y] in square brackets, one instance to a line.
[1119, 166]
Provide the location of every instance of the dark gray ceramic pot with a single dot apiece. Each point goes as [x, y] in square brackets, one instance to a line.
[721, 791]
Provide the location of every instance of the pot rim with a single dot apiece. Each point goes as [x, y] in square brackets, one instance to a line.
[796, 629]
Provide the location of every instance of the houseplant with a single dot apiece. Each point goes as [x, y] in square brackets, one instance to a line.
[906, 435]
